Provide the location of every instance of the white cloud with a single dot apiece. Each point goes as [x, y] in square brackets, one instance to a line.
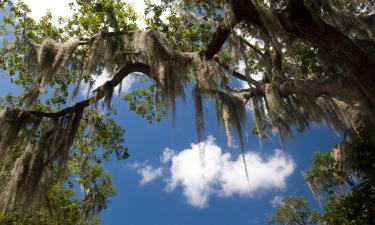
[221, 174]
[276, 201]
[148, 173]
[167, 155]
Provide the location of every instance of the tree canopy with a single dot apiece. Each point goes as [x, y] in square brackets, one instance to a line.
[301, 62]
[294, 210]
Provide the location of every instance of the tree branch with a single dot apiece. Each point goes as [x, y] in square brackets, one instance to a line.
[255, 49]
[89, 40]
[300, 23]
[236, 74]
[221, 34]
[312, 88]
[100, 92]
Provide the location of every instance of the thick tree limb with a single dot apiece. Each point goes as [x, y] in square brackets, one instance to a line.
[90, 40]
[298, 22]
[328, 39]
[310, 88]
[313, 88]
[221, 34]
[100, 92]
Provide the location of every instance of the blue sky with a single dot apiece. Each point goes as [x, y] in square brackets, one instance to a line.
[166, 181]
[152, 203]
[230, 198]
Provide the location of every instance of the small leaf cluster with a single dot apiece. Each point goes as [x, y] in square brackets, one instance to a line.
[144, 102]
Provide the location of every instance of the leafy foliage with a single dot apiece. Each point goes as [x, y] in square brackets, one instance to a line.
[356, 207]
[145, 103]
[294, 211]
[304, 62]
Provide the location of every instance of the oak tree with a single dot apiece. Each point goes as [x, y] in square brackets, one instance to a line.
[315, 60]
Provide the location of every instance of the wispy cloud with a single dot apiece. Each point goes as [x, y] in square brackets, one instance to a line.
[220, 174]
[276, 201]
[167, 155]
[149, 173]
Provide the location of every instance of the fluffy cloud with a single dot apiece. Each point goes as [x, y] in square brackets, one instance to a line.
[218, 173]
